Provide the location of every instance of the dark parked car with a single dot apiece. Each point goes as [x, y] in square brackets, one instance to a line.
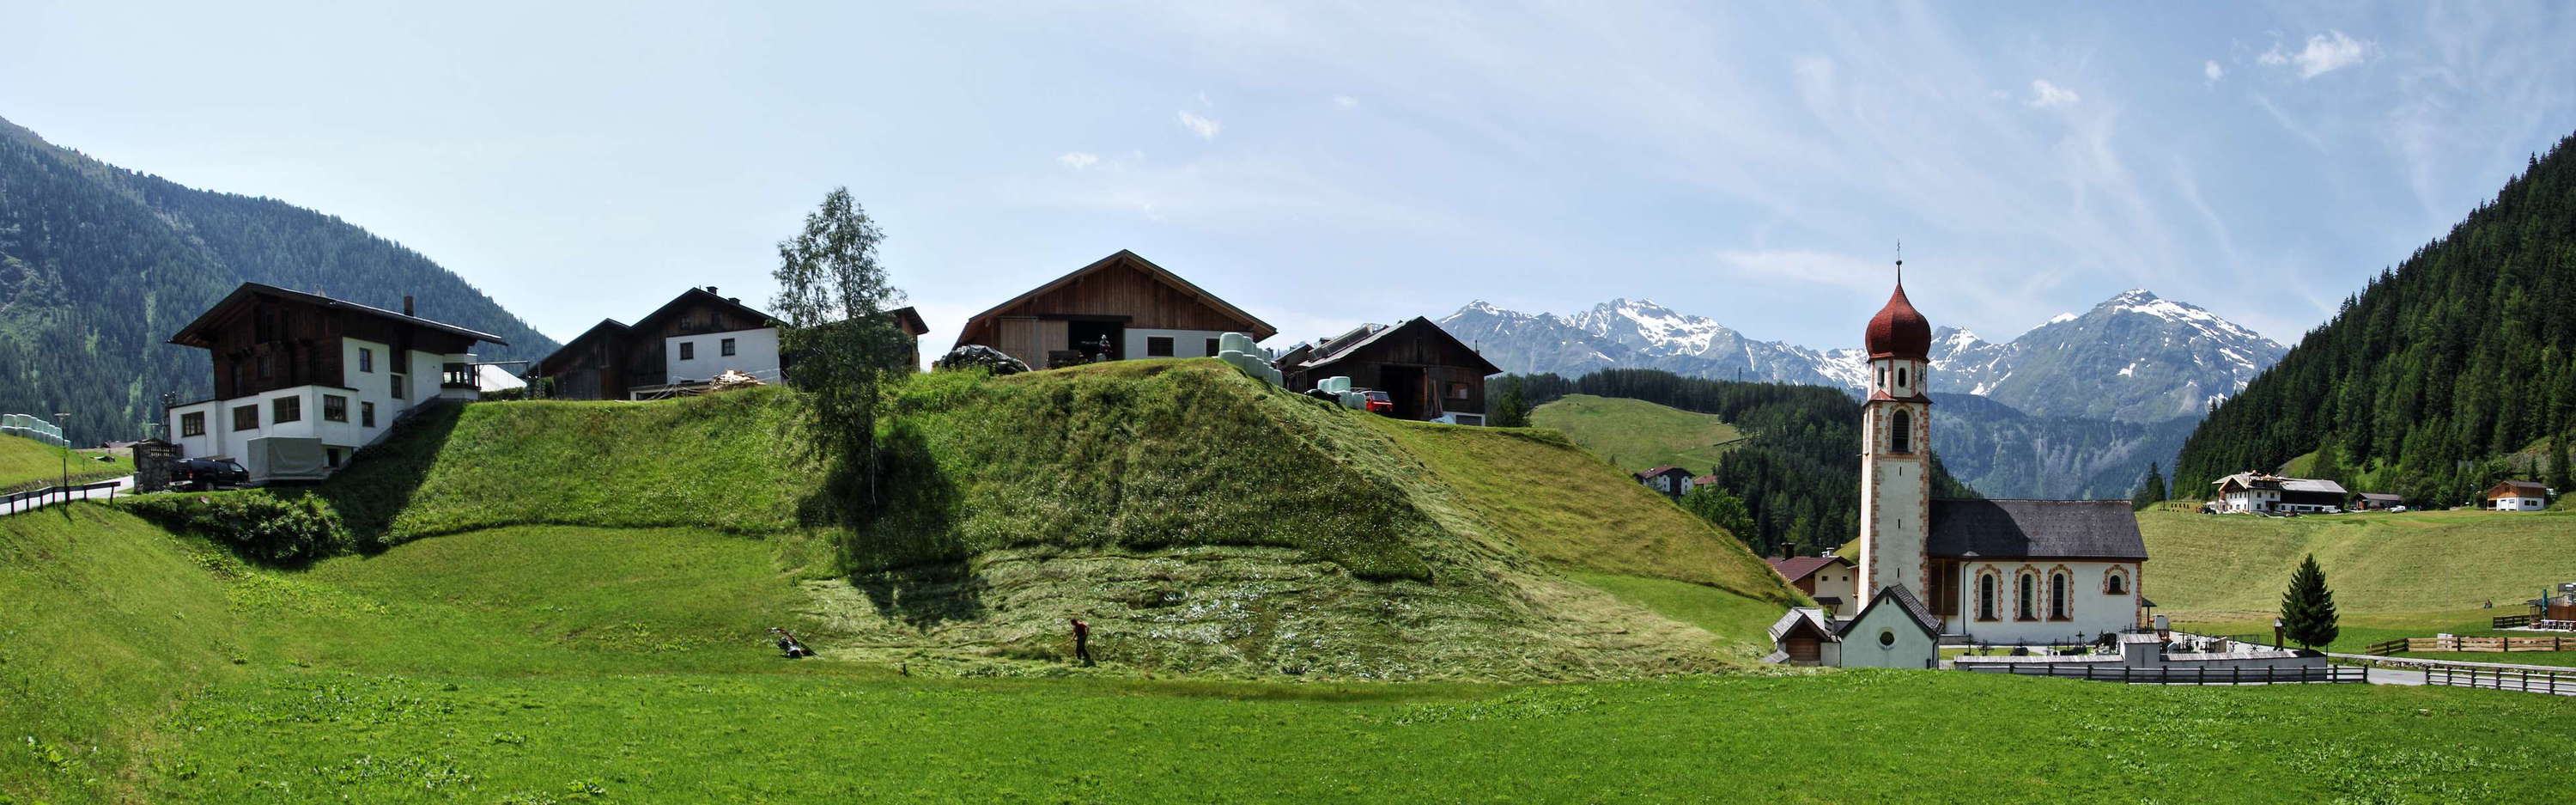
[204, 474]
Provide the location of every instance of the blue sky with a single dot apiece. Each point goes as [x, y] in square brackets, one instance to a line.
[1324, 164]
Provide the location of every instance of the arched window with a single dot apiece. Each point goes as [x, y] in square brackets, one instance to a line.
[1986, 597]
[2115, 582]
[1900, 436]
[2026, 589]
[2057, 603]
[1900, 377]
[1882, 377]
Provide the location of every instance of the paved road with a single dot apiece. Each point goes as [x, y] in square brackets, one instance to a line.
[123, 486]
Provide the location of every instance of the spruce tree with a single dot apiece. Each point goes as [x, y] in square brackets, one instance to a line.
[2559, 479]
[1511, 408]
[2307, 608]
[2151, 490]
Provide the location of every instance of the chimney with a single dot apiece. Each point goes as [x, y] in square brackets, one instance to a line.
[407, 304]
[1788, 550]
[711, 289]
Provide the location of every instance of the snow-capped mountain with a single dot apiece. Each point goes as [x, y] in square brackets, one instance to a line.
[2134, 357]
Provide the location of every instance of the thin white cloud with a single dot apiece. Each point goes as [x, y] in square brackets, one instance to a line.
[1079, 160]
[1345, 101]
[2325, 53]
[2211, 70]
[1808, 267]
[1206, 129]
[2044, 95]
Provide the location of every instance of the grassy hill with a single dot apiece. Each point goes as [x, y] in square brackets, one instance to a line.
[30, 463]
[1202, 521]
[2231, 567]
[1636, 434]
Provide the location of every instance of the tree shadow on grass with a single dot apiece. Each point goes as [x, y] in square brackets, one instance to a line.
[898, 541]
[380, 480]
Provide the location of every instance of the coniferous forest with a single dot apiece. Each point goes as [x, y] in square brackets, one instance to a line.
[2453, 370]
[1799, 470]
[100, 265]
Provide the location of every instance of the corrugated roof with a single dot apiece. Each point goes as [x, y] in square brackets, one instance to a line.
[2312, 485]
[2069, 529]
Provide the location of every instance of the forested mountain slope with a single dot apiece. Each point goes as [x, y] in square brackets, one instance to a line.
[2463, 354]
[1798, 470]
[99, 265]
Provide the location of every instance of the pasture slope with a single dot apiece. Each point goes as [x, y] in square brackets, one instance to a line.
[554, 607]
[2233, 567]
[1636, 434]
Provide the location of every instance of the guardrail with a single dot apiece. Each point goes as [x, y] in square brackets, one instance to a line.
[2323, 674]
[29, 500]
[2528, 680]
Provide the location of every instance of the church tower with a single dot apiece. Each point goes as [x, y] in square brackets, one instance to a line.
[1896, 430]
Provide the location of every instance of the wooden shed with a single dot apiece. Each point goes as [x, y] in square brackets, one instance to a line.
[1428, 373]
[1122, 306]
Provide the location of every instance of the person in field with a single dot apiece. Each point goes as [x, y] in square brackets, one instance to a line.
[1082, 641]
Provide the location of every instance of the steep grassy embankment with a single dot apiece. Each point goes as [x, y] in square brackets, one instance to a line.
[1636, 434]
[27, 462]
[2216, 566]
[1202, 521]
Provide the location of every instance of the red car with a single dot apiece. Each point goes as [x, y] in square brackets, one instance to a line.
[1379, 403]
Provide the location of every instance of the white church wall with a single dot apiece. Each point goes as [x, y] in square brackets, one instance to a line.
[2092, 610]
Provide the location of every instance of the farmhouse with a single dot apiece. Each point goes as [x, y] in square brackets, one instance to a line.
[1995, 571]
[1122, 306]
[677, 349]
[1829, 579]
[2376, 501]
[303, 380]
[2265, 493]
[1674, 482]
[2517, 496]
[1428, 373]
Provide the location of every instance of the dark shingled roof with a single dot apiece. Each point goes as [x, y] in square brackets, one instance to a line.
[1797, 567]
[2035, 529]
[1905, 601]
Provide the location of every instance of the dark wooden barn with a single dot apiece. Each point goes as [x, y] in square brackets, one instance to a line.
[1428, 373]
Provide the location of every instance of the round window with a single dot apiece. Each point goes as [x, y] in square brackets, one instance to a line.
[1887, 637]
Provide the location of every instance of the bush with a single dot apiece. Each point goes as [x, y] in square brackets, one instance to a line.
[259, 526]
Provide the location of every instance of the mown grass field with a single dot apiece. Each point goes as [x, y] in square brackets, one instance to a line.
[27, 463]
[1635, 434]
[556, 664]
[2215, 568]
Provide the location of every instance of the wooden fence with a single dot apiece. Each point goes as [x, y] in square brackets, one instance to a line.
[2512, 621]
[2522, 679]
[2174, 675]
[2497, 644]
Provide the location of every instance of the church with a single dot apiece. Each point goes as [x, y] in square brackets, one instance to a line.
[2004, 572]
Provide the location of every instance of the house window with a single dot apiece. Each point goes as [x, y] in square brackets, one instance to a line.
[725, 347]
[1900, 437]
[366, 360]
[263, 366]
[1159, 346]
[192, 424]
[1457, 391]
[2026, 590]
[688, 350]
[397, 386]
[366, 415]
[2058, 606]
[287, 409]
[1987, 600]
[1212, 349]
[335, 408]
[246, 417]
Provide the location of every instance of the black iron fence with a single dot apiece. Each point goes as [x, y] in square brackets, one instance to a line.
[2182, 675]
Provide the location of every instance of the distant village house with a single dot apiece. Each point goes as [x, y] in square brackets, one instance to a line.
[2517, 496]
[1831, 580]
[1120, 307]
[2263, 493]
[678, 349]
[302, 381]
[1674, 482]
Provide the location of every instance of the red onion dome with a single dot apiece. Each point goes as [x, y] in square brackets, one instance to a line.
[1897, 331]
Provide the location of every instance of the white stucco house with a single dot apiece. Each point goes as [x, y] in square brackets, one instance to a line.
[2517, 496]
[303, 380]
